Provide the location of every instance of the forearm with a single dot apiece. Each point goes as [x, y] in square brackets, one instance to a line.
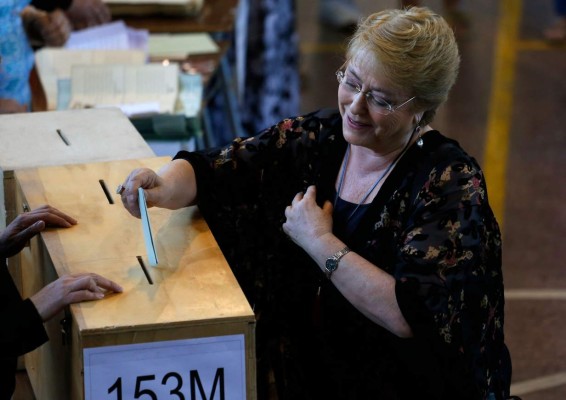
[367, 287]
[179, 180]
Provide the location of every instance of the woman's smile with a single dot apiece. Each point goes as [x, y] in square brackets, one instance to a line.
[357, 125]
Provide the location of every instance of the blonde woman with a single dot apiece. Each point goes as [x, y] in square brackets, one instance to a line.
[362, 236]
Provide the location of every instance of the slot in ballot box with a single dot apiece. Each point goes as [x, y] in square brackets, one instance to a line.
[183, 327]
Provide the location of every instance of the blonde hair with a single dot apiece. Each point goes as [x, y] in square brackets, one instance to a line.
[415, 48]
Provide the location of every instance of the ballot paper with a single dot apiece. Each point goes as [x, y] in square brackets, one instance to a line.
[115, 35]
[146, 226]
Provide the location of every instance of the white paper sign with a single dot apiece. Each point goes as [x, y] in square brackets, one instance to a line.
[210, 368]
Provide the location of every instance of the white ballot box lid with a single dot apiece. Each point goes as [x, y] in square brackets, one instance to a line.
[68, 137]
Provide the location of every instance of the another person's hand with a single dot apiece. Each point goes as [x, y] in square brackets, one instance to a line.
[145, 178]
[46, 28]
[71, 289]
[87, 13]
[306, 220]
[10, 106]
[27, 225]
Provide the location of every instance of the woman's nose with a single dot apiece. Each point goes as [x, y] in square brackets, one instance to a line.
[359, 103]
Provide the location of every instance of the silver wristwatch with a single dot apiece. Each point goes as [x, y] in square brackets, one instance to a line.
[333, 261]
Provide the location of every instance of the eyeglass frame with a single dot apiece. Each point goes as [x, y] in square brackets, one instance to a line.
[370, 99]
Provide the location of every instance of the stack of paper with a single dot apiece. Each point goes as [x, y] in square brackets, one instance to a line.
[136, 89]
[107, 65]
[54, 66]
[112, 36]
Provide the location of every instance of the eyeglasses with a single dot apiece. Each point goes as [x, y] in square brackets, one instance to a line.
[377, 104]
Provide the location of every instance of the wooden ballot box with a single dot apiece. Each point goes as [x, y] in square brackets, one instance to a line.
[181, 329]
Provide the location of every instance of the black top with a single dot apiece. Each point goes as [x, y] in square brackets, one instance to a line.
[21, 330]
[430, 226]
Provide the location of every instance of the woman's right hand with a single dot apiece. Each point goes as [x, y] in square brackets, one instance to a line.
[172, 187]
[148, 180]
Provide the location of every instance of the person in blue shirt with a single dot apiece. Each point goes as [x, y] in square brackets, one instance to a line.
[362, 236]
[24, 25]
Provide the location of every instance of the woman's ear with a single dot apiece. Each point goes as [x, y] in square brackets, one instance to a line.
[419, 117]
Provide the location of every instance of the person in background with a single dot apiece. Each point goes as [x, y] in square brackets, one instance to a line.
[265, 58]
[362, 237]
[81, 13]
[22, 320]
[24, 26]
[557, 31]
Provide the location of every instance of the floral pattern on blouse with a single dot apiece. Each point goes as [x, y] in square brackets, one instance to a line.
[430, 226]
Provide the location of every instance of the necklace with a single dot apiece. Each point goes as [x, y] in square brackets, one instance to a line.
[379, 179]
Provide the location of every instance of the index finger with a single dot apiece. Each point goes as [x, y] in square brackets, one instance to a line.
[101, 282]
[107, 284]
[310, 194]
[139, 177]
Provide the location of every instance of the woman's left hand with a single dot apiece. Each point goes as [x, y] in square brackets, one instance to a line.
[306, 220]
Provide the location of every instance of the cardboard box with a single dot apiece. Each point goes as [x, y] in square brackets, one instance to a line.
[192, 329]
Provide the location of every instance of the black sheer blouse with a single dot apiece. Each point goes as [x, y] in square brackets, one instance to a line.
[430, 226]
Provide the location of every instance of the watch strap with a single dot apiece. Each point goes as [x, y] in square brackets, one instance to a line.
[336, 258]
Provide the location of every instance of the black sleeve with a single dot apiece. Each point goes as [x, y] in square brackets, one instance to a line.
[50, 5]
[22, 327]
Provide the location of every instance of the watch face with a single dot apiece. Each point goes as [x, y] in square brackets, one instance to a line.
[331, 264]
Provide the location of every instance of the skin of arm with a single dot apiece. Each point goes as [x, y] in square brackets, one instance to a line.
[11, 106]
[368, 288]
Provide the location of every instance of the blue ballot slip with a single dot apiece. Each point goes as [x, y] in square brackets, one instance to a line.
[148, 237]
